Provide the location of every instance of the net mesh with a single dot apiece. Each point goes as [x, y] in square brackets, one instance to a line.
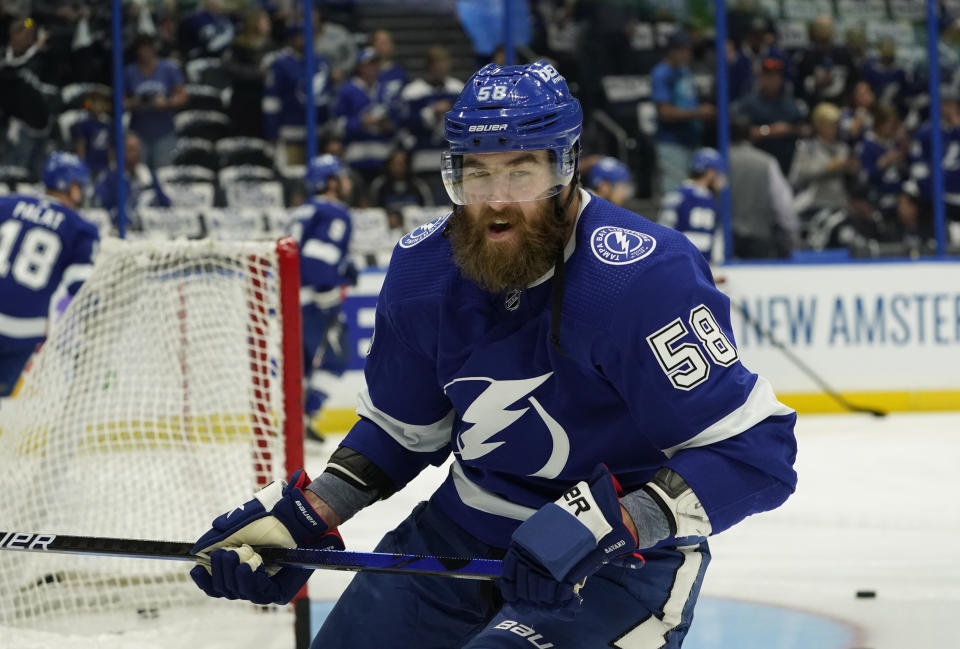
[155, 401]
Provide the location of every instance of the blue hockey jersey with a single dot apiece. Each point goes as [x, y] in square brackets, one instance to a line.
[284, 96]
[390, 83]
[921, 154]
[414, 110]
[692, 210]
[885, 182]
[46, 251]
[363, 146]
[323, 229]
[649, 377]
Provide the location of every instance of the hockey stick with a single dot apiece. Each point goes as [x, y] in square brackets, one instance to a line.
[833, 394]
[410, 564]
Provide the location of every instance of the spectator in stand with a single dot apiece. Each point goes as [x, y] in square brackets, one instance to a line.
[207, 32]
[91, 135]
[366, 125]
[822, 165]
[825, 71]
[765, 225]
[154, 88]
[776, 116]
[286, 85]
[859, 227]
[680, 115]
[140, 183]
[336, 44]
[914, 225]
[760, 44]
[921, 154]
[948, 56]
[20, 99]
[857, 118]
[739, 72]
[886, 77]
[855, 40]
[692, 207]
[883, 159]
[423, 103]
[397, 187]
[609, 179]
[392, 77]
[245, 61]
[25, 145]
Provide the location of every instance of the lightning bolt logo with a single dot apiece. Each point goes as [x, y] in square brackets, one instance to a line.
[489, 415]
[619, 246]
[621, 238]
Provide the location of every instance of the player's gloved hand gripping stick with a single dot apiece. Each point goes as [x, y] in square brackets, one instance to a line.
[278, 515]
[553, 552]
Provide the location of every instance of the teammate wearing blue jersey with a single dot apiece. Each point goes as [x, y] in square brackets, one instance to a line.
[609, 179]
[322, 227]
[692, 207]
[548, 340]
[46, 251]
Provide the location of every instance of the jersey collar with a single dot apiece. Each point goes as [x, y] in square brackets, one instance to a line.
[571, 243]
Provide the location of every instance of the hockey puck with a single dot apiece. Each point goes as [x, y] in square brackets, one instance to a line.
[866, 594]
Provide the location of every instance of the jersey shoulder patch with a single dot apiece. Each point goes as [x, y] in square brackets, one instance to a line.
[420, 233]
[619, 246]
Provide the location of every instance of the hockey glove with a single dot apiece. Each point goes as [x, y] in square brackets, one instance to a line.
[278, 516]
[553, 552]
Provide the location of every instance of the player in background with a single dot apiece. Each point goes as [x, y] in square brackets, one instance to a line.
[548, 340]
[692, 207]
[609, 179]
[322, 228]
[46, 252]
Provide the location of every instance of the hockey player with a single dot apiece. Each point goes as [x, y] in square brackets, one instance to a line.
[692, 207]
[609, 179]
[46, 251]
[322, 227]
[549, 341]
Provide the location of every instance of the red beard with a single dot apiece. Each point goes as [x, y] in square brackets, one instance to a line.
[515, 262]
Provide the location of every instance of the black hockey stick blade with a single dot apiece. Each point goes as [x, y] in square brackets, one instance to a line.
[452, 567]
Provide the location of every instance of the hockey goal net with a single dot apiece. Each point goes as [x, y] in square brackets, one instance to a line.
[169, 386]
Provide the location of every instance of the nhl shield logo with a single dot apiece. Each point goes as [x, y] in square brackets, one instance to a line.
[620, 246]
[411, 239]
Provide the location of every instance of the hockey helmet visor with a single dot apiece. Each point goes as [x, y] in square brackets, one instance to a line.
[514, 136]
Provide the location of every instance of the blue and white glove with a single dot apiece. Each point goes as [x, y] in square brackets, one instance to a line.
[553, 552]
[278, 516]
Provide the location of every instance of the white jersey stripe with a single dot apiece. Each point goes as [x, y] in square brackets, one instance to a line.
[473, 495]
[421, 438]
[12, 327]
[760, 404]
[652, 632]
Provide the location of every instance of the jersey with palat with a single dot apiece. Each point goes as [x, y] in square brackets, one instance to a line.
[46, 251]
[322, 228]
[692, 210]
[649, 377]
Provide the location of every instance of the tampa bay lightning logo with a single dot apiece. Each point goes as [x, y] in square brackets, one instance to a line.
[620, 246]
[411, 239]
[490, 413]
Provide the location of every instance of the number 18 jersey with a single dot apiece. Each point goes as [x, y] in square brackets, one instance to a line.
[46, 252]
